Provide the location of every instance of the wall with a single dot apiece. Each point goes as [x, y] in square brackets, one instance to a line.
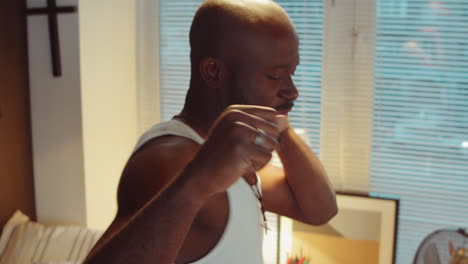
[84, 122]
[325, 249]
[56, 120]
[352, 224]
[16, 179]
[108, 93]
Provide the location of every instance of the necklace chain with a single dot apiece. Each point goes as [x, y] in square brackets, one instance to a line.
[259, 196]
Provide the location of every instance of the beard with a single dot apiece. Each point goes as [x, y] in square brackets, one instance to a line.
[236, 90]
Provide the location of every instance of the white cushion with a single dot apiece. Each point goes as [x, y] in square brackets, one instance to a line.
[17, 219]
[28, 242]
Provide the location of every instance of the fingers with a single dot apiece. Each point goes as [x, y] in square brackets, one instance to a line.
[257, 145]
[256, 122]
[264, 112]
[261, 158]
[262, 139]
[258, 137]
[267, 113]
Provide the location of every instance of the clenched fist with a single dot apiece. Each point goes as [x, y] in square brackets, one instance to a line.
[240, 141]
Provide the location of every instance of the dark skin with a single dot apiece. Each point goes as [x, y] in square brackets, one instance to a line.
[172, 193]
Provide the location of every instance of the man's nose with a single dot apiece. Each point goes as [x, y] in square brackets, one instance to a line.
[289, 91]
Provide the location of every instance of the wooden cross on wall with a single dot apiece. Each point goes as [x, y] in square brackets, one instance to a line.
[51, 10]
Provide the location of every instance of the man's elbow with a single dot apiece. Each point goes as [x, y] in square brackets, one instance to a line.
[329, 214]
[323, 215]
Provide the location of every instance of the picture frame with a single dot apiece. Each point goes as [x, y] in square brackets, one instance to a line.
[363, 231]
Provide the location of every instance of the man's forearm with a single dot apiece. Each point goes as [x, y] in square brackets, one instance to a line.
[307, 179]
[156, 233]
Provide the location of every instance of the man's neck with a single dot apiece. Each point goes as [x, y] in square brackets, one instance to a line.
[201, 109]
[199, 123]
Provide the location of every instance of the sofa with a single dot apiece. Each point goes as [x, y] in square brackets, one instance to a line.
[23, 241]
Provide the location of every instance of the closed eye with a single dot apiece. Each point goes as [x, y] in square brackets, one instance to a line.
[273, 77]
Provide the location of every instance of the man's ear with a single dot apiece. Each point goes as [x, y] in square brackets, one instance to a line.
[212, 71]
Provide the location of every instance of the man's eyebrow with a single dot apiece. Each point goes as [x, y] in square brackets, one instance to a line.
[281, 66]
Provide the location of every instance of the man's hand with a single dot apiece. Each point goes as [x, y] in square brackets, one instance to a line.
[240, 141]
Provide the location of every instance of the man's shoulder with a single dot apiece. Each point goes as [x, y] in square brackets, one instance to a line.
[167, 146]
[151, 168]
[162, 155]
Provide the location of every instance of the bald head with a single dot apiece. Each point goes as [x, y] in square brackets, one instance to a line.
[225, 28]
[242, 52]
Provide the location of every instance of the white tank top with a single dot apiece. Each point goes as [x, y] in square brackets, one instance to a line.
[242, 239]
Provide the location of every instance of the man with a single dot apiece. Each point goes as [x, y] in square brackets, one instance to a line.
[190, 192]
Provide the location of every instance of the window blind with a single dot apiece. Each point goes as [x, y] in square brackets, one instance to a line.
[174, 25]
[308, 19]
[175, 20]
[420, 127]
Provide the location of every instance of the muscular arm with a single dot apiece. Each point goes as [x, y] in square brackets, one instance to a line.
[302, 190]
[157, 230]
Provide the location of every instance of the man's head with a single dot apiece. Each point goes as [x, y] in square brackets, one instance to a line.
[244, 52]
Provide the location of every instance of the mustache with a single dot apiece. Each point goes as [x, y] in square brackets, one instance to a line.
[287, 105]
